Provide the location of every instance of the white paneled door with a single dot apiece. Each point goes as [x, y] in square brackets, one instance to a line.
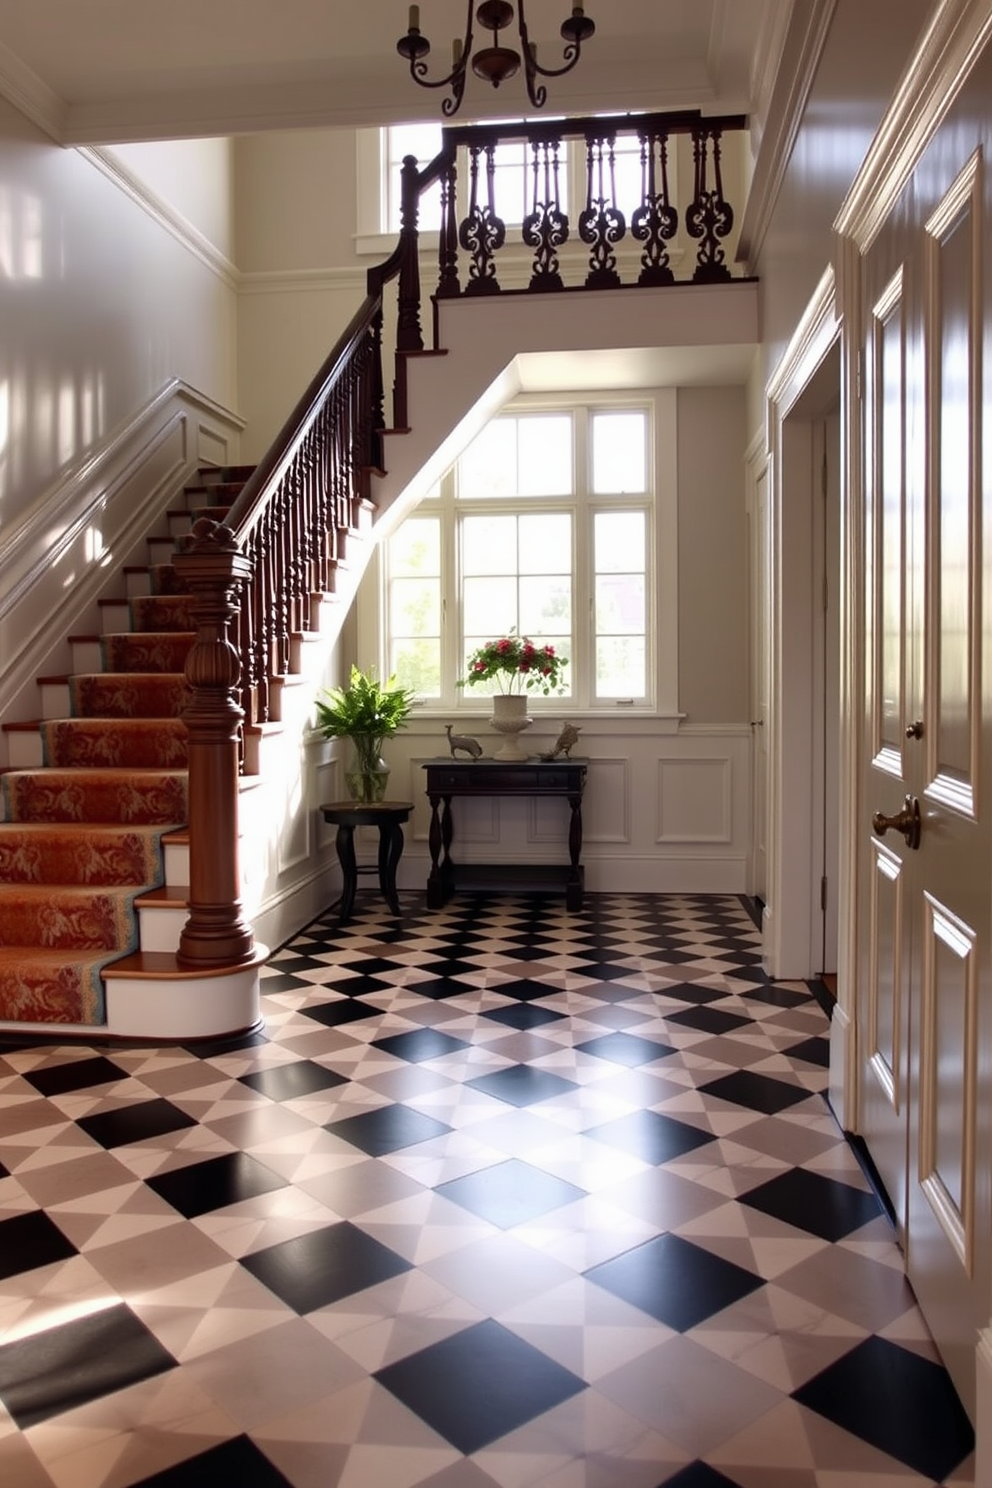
[926, 850]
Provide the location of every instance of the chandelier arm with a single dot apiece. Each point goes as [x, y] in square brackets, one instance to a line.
[456, 77]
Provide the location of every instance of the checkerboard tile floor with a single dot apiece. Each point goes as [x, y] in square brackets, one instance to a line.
[501, 1195]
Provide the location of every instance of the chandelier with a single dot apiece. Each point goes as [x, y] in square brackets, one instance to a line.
[495, 63]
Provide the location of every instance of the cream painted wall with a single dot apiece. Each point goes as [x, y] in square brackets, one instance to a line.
[99, 307]
[301, 281]
[295, 195]
[196, 177]
[713, 623]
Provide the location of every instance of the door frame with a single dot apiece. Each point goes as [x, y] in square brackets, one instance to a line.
[817, 364]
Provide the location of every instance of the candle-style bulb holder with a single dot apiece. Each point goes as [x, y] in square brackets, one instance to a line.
[495, 64]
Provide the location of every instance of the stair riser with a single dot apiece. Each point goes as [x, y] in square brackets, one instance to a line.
[160, 926]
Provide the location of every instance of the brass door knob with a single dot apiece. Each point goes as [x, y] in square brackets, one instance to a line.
[907, 821]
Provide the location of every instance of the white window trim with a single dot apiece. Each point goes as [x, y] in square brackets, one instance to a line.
[371, 600]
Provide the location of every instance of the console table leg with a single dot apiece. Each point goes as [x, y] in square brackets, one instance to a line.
[390, 852]
[435, 890]
[345, 843]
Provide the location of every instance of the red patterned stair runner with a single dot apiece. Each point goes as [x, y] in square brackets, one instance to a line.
[80, 837]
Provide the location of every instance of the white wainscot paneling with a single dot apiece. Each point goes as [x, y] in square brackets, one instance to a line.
[694, 801]
[606, 805]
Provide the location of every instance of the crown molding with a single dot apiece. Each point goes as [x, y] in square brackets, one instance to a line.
[31, 97]
[952, 42]
[161, 212]
[801, 51]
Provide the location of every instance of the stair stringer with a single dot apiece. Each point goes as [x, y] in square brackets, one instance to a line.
[450, 398]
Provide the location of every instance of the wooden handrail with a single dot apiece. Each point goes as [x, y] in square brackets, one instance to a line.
[257, 578]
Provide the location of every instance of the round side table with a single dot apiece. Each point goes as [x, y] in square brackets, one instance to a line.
[389, 817]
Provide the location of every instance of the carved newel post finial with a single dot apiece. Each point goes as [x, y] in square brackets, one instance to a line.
[213, 569]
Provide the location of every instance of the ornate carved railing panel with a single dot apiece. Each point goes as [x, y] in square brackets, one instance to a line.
[605, 218]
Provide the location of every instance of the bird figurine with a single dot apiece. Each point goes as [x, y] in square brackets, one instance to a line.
[472, 747]
[563, 744]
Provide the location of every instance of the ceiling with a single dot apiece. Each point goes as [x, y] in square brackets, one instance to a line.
[116, 70]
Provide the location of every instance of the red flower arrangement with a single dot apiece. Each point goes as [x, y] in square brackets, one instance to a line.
[516, 664]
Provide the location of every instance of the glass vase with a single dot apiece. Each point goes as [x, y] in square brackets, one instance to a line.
[367, 774]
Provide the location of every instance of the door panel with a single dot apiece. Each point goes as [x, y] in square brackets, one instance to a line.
[884, 1014]
[927, 909]
[885, 1051]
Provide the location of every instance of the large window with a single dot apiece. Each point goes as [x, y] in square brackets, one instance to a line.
[545, 526]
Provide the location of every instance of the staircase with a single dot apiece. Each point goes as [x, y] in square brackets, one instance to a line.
[94, 860]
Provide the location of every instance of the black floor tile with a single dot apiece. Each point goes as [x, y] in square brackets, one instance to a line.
[204, 1186]
[651, 1136]
[524, 1016]
[477, 1386]
[359, 986]
[707, 1019]
[387, 1129]
[522, 1085]
[438, 989]
[344, 1010]
[319, 1268]
[674, 1281]
[28, 1241]
[899, 1402]
[626, 1049]
[823, 1206]
[214, 1048]
[288, 1081]
[811, 1051]
[526, 989]
[282, 982]
[699, 1475]
[783, 997]
[449, 966]
[75, 1074]
[691, 992]
[142, 1122]
[510, 1193]
[65, 1367]
[756, 1092]
[420, 1044]
[237, 1463]
[605, 971]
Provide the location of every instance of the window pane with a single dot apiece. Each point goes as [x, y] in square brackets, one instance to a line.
[489, 545]
[415, 547]
[545, 455]
[415, 606]
[417, 664]
[620, 604]
[489, 466]
[546, 609]
[619, 539]
[490, 609]
[619, 452]
[546, 543]
[620, 667]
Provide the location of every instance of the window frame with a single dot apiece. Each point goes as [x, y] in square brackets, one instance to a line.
[661, 509]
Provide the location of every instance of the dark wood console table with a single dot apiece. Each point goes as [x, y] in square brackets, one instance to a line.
[449, 777]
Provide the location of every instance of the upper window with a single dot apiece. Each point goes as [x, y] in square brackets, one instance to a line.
[545, 526]
[515, 180]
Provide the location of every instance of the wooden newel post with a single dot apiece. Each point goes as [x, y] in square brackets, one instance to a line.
[216, 932]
